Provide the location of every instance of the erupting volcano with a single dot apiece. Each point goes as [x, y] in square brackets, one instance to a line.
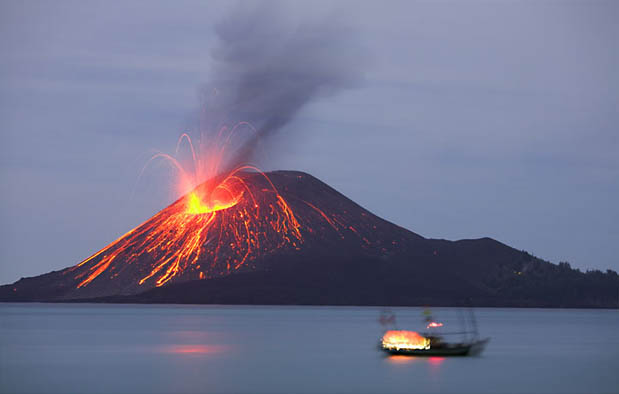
[212, 231]
[230, 222]
[237, 235]
[219, 226]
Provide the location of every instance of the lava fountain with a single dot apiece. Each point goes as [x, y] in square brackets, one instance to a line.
[224, 219]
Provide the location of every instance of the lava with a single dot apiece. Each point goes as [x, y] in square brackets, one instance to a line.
[212, 230]
[195, 206]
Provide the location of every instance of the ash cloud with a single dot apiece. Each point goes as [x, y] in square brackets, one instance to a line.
[270, 62]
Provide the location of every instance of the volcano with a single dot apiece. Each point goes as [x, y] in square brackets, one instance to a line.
[287, 238]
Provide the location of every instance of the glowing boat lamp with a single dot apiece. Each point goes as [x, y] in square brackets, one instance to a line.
[434, 325]
[407, 340]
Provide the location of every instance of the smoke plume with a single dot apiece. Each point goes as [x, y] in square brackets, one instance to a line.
[270, 62]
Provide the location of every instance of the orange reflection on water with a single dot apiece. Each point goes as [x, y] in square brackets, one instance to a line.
[433, 361]
[194, 349]
[400, 359]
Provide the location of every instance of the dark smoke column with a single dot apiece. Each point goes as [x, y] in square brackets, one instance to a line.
[268, 64]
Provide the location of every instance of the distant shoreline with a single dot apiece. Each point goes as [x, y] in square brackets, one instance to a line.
[93, 302]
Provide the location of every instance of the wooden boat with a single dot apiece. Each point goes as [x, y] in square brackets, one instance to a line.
[441, 349]
[430, 343]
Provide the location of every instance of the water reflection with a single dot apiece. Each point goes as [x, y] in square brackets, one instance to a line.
[398, 359]
[203, 348]
[193, 349]
[436, 361]
[433, 361]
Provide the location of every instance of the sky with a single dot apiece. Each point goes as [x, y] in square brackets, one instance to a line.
[465, 119]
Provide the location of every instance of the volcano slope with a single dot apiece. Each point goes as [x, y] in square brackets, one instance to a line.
[288, 238]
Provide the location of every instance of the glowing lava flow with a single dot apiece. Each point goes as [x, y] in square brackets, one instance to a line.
[213, 230]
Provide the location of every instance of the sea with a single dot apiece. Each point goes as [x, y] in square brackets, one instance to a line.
[104, 348]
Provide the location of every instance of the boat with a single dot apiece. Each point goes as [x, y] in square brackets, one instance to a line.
[431, 343]
[439, 348]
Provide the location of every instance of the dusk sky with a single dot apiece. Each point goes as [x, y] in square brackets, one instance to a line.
[463, 120]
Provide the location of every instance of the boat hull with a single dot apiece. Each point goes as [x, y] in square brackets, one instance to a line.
[468, 349]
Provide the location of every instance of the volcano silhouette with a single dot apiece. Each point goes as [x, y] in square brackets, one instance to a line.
[288, 238]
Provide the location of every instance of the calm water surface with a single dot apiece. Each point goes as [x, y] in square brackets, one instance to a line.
[128, 348]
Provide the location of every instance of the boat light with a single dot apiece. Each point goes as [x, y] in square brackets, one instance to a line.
[401, 339]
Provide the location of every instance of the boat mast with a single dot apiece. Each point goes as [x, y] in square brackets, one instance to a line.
[474, 324]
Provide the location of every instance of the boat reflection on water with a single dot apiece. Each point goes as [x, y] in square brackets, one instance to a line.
[193, 349]
[432, 363]
[434, 360]
[398, 359]
[403, 359]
